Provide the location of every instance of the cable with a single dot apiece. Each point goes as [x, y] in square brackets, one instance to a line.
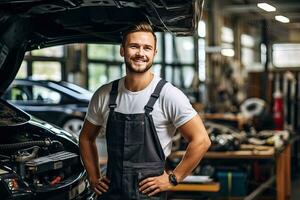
[162, 22]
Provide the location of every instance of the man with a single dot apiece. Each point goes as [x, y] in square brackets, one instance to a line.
[140, 113]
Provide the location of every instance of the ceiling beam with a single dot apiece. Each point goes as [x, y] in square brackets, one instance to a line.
[237, 9]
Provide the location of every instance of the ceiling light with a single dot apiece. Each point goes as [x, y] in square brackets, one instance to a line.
[282, 19]
[266, 7]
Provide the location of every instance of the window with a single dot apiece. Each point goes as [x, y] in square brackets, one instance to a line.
[201, 29]
[114, 72]
[247, 40]
[33, 95]
[17, 93]
[247, 51]
[22, 73]
[104, 52]
[45, 95]
[156, 69]
[179, 49]
[158, 56]
[43, 70]
[286, 55]
[184, 47]
[97, 75]
[227, 42]
[169, 48]
[188, 72]
[227, 35]
[201, 50]
[56, 51]
[202, 70]
[180, 75]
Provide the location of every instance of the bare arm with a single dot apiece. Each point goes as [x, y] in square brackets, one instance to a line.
[198, 143]
[89, 155]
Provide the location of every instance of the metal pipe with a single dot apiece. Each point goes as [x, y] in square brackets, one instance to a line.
[260, 189]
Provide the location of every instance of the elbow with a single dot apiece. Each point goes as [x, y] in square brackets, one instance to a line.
[82, 139]
[205, 142]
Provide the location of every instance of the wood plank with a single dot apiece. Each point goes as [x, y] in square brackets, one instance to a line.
[255, 154]
[280, 177]
[200, 187]
[287, 156]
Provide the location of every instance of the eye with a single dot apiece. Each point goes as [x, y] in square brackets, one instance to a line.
[148, 48]
[133, 46]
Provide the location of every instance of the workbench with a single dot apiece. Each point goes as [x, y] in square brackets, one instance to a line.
[282, 174]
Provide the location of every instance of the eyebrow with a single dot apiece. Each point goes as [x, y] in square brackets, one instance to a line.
[147, 45]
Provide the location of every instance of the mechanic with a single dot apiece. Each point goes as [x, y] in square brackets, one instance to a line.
[139, 114]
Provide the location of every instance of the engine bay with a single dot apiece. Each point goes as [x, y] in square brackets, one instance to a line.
[36, 166]
[37, 161]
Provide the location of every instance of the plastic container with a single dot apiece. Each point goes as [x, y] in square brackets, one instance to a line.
[232, 183]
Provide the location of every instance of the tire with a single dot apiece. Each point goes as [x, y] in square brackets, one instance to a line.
[73, 126]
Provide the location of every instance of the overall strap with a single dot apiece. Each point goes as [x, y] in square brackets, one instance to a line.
[113, 95]
[154, 96]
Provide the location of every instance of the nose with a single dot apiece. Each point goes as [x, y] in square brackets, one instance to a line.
[140, 51]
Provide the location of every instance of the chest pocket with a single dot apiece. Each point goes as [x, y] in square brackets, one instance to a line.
[135, 132]
[114, 132]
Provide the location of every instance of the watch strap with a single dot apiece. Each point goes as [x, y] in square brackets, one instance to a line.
[173, 179]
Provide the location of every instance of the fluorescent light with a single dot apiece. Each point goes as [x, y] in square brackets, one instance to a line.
[227, 52]
[266, 7]
[282, 19]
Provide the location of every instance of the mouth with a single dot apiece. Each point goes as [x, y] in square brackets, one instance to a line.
[140, 60]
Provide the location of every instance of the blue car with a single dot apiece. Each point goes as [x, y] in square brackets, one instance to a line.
[61, 103]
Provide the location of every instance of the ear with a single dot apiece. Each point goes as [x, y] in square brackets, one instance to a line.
[155, 52]
[122, 50]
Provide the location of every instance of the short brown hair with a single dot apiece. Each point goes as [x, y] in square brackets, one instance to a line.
[139, 27]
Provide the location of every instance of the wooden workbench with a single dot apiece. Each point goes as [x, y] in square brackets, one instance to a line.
[197, 187]
[281, 157]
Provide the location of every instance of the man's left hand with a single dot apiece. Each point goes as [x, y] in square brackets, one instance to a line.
[154, 185]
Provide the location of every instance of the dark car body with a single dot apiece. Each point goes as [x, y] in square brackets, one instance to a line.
[61, 103]
[37, 159]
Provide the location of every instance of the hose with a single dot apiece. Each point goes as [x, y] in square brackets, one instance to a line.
[23, 158]
[46, 142]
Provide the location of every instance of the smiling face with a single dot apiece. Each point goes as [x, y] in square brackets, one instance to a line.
[138, 51]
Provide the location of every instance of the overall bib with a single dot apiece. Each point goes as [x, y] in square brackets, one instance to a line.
[134, 150]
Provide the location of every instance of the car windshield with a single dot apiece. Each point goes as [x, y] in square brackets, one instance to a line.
[76, 88]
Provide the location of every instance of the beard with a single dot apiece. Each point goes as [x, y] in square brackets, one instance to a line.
[131, 69]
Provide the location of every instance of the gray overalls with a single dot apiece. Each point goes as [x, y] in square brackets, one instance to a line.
[134, 150]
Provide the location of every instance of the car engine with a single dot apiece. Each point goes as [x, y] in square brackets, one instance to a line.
[38, 161]
[36, 166]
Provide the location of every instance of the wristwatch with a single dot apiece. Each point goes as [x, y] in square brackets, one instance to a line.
[173, 179]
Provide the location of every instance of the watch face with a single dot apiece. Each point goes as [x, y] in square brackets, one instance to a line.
[173, 179]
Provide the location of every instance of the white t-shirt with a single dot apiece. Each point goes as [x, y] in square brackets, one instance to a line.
[171, 110]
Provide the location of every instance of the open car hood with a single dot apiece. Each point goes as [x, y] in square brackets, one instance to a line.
[30, 24]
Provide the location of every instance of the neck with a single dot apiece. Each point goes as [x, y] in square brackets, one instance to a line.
[137, 82]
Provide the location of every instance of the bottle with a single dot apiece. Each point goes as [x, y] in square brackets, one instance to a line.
[278, 106]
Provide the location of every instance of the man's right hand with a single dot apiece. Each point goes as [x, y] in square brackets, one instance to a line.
[100, 186]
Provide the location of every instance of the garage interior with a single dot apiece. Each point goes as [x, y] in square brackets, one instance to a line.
[241, 73]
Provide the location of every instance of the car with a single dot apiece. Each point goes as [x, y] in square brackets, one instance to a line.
[39, 160]
[61, 103]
